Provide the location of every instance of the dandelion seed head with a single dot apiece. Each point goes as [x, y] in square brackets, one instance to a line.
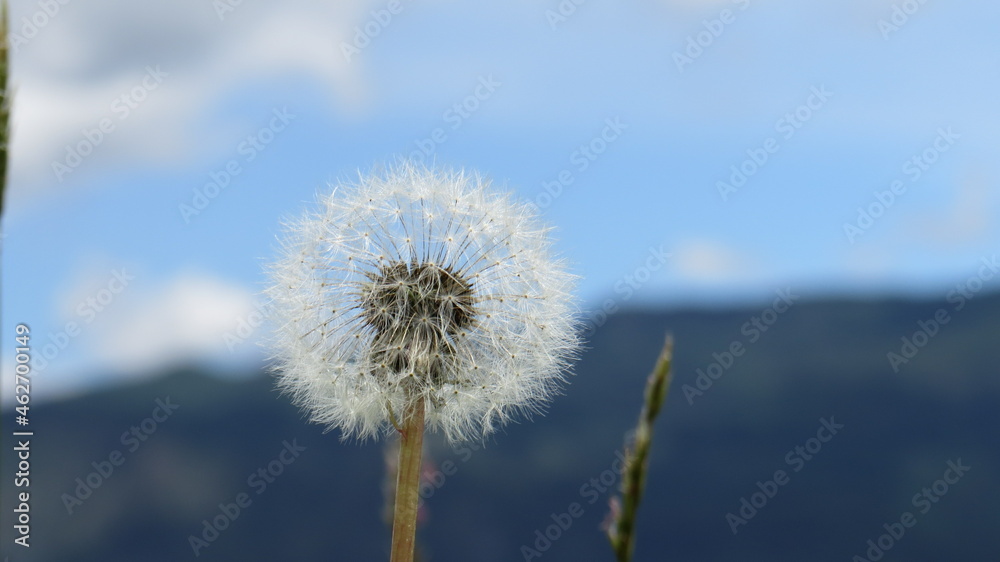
[420, 284]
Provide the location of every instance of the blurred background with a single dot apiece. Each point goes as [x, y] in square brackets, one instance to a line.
[805, 194]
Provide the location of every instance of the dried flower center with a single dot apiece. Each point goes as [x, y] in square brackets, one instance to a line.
[416, 310]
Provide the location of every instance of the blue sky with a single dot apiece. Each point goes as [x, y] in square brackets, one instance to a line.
[594, 93]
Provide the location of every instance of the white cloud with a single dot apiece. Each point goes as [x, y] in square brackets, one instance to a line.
[182, 320]
[67, 76]
[116, 322]
[970, 218]
[870, 262]
[709, 261]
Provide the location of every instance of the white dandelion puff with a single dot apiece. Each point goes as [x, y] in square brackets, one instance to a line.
[421, 285]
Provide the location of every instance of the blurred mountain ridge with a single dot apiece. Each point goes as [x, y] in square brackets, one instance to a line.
[743, 398]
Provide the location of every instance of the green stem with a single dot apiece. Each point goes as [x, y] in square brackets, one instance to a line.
[404, 521]
[622, 530]
[5, 101]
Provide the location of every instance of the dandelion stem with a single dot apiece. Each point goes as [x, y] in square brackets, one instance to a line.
[411, 442]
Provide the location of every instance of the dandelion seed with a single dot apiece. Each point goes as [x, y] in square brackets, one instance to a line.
[420, 285]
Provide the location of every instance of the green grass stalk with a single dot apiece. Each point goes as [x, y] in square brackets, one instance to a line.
[621, 530]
